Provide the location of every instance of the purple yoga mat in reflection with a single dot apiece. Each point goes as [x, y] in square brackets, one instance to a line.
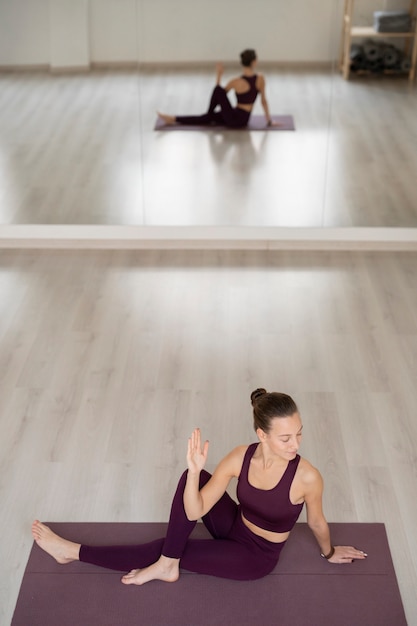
[256, 122]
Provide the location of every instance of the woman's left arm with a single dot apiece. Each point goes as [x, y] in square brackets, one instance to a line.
[317, 522]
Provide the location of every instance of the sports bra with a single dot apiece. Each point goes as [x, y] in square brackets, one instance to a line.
[249, 96]
[270, 509]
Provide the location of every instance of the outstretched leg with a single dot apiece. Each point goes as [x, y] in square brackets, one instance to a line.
[64, 551]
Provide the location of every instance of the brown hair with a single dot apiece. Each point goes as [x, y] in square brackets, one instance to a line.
[247, 57]
[267, 406]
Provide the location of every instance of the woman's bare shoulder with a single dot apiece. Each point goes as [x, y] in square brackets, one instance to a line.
[308, 474]
[234, 459]
[238, 452]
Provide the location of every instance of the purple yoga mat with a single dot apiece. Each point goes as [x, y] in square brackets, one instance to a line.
[303, 590]
[256, 122]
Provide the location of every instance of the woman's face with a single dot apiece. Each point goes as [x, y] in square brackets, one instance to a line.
[284, 437]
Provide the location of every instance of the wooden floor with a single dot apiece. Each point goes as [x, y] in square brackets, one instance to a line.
[81, 150]
[109, 359]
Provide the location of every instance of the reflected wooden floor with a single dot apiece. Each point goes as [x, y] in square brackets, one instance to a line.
[109, 359]
[81, 150]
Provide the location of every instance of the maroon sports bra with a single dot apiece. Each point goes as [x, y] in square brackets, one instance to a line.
[270, 509]
[248, 97]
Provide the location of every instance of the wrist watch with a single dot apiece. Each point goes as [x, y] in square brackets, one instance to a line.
[328, 556]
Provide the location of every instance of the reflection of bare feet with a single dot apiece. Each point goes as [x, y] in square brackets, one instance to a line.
[168, 119]
[165, 569]
[62, 550]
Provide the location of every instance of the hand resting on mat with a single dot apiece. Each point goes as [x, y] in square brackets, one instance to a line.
[274, 123]
[346, 554]
[220, 111]
[274, 484]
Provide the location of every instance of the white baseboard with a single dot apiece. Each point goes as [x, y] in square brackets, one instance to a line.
[38, 236]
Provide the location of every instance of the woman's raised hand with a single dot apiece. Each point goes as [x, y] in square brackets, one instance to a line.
[219, 72]
[196, 455]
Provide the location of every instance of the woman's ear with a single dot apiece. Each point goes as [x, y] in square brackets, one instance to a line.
[261, 434]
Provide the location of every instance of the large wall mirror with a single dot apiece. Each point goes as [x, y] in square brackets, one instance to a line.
[80, 147]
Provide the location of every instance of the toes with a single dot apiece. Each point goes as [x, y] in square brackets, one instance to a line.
[127, 580]
[130, 577]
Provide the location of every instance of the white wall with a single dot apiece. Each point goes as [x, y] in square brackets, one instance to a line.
[219, 29]
[114, 30]
[69, 37]
[24, 32]
[74, 33]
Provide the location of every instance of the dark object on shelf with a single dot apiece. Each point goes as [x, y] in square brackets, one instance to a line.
[392, 21]
[377, 57]
[372, 51]
[391, 57]
[356, 54]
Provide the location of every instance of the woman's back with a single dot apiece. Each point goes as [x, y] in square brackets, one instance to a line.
[245, 95]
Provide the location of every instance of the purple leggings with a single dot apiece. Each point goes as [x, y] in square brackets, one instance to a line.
[235, 552]
[227, 116]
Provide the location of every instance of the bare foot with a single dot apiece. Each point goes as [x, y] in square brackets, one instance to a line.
[168, 119]
[165, 569]
[62, 550]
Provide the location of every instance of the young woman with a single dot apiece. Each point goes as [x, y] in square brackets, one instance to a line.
[274, 483]
[220, 111]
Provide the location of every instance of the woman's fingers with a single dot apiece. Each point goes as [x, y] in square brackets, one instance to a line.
[354, 553]
[194, 442]
[195, 439]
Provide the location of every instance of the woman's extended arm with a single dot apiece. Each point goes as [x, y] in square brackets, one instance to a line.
[197, 503]
[264, 102]
[318, 524]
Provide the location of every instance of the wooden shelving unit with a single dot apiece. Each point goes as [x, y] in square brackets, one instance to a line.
[362, 32]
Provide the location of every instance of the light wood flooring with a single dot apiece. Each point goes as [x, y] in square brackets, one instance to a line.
[108, 359]
[81, 149]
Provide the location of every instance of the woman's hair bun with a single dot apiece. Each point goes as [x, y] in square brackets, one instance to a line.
[255, 395]
[247, 57]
